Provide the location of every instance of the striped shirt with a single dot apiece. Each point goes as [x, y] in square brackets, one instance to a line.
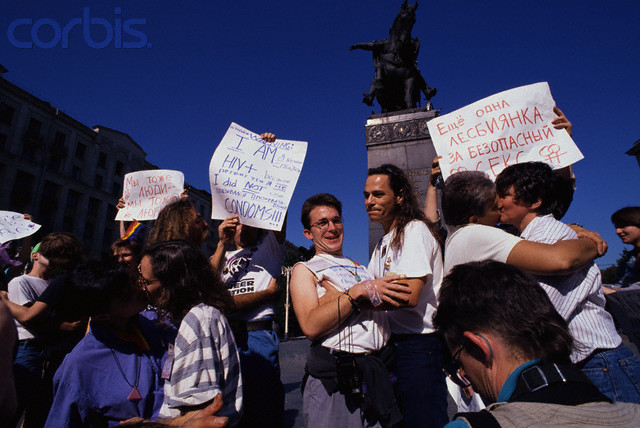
[578, 296]
[205, 363]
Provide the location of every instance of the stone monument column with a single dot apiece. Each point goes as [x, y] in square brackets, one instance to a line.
[401, 138]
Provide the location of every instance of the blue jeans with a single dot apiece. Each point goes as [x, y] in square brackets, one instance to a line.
[263, 392]
[616, 373]
[423, 391]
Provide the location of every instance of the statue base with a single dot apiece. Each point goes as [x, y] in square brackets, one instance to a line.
[401, 138]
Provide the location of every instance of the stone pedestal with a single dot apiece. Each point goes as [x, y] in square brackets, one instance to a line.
[401, 138]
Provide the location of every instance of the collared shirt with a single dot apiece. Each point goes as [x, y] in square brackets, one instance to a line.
[578, 296]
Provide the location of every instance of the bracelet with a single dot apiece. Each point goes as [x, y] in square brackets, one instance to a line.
[372, 292]
[353, 302]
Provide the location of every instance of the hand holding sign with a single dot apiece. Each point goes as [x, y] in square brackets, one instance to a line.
[15, 226]
[253, 177]
[511, 127]
[147, 192]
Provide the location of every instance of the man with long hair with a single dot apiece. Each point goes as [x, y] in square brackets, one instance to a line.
[410, 247]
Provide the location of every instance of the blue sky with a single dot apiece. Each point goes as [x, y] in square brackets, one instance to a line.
[285, 66]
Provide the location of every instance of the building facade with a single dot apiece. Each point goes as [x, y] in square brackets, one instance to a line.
[67, 175]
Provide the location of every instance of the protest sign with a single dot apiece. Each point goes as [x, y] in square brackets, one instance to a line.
[511, 127]
[15, 226]
[147, 192]
[253, 178]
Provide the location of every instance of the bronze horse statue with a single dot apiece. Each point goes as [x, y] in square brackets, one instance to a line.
[397, 83]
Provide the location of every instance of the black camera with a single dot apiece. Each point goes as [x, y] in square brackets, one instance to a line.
[349, 378]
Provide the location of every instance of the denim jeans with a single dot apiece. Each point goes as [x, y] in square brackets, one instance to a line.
[616, 373]
[423, 391]
[263, 392]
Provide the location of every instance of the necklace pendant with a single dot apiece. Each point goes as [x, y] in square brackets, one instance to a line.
[134, 395]
[357, 277]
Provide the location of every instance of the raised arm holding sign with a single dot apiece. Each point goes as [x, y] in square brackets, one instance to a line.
[510, 127]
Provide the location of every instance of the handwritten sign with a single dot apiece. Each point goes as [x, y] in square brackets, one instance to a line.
[511, 127]
[253, 178]
[147, 192]
[15, 226]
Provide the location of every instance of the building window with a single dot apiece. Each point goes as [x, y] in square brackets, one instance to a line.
[81, 151]
[32, 140]
[48, 205]
[76, 172]
[22, 191]
[59, 139]
[119, 168]
[98, 182]
[94, 207]
[87, 236]
[73, 198]
[6, 114]
[102, 160]
[116, 190]
[3, 141]
[33, 130]
[57, 152]
[67, 224]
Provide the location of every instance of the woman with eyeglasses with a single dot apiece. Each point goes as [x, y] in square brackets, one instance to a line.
[179, 282]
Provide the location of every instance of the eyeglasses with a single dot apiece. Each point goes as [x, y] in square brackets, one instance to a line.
[144, 282]
[452, 369]
[323, 223]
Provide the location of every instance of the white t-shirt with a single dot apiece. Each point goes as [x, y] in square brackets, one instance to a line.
[250, 270]
[25, 289]
[475, 243]
[361, 333]
[419, 256]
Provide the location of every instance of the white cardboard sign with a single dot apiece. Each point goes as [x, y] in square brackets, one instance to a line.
[510, 127]
[14, 226]
[253, 178]
[145, 193]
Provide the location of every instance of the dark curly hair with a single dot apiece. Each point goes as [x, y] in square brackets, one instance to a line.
[531, 181]
[498, 298]
[186, 279]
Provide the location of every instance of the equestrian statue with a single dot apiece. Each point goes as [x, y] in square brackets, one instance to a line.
[397, 83]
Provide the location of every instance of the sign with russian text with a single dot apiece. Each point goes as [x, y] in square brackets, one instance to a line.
[15, 226]
[145, 193]
[253, 178]
[511, 127]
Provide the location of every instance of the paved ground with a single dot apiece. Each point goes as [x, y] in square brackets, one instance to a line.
[292, 358]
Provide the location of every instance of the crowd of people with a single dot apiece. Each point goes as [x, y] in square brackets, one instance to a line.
[510, 317]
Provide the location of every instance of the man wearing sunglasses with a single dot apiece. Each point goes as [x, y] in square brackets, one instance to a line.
[335, 299]
[514, 348]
